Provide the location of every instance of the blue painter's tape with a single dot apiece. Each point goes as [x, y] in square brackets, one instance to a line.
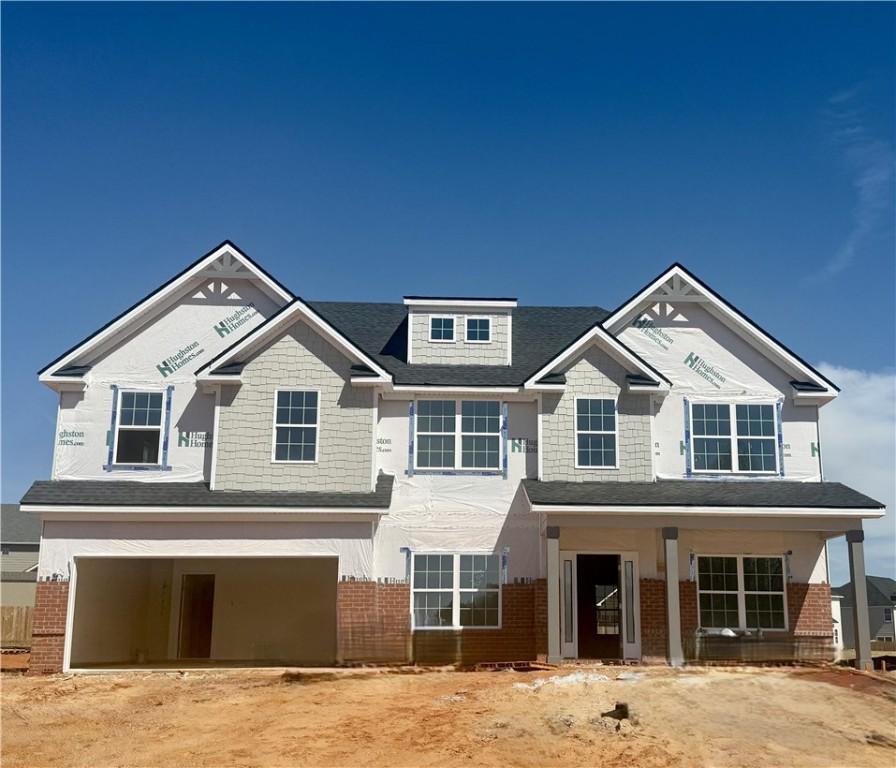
[779, 409]
[169, 396]
[411, 439]
[504, 437]
[687, 437]
[108, 466]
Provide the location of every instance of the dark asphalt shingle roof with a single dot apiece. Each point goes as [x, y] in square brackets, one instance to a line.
[697, 493]
[17, 527]
[132, 493]
[881, 591]
[380, 330]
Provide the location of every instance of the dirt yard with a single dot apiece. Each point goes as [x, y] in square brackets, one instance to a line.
[719, 717]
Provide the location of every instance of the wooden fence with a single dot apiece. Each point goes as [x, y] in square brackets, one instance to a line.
[15, 626]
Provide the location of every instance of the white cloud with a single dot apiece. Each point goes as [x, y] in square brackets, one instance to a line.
[858, 443]
[870, 160]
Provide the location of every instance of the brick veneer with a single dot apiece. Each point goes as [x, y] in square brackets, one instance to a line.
[541, 618]
[809, 609]
[653, 621]
[373, 621]
[514, 641]
[48, 627]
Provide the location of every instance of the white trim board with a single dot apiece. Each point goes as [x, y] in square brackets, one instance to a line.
[687, 287]
[139, 312]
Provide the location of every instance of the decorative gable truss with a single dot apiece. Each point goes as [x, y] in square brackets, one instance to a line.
[677, 286]
[221, 268]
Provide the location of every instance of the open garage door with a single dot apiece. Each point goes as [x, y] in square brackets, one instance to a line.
[192, 611]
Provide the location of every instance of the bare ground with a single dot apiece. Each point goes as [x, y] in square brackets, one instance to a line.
[717, 717]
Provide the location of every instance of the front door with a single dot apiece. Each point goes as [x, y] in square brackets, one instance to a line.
[599, 606]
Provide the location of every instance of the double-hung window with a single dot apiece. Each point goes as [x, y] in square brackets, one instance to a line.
[595, 433]
[441, 328]
[734, 438]
[444, 441]
[296, 425]
[138, 438]
[479, 330]
[456, 590]
[741, 592]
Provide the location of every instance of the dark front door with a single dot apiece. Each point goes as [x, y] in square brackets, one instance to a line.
[197, 601]
[599, 607]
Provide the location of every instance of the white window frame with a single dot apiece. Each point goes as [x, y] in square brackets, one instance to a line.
[456, 592]
[453, 320]
[577, 432]
[467, 338]
[459, 435]
[119, 427]
[888, 615]
[316, 425]
[733, 438]
[742, 592]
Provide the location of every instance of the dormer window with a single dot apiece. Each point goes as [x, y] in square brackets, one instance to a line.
[441, 328]
[479, 330]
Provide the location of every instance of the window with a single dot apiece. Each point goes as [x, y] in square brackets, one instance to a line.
[739, 592]
[441, 445]
[752, 440]
[456, 590]
[884, 639]
[138, 438]
[888, 614]
[295, 426]
[479, 329]
[595, 433]
[441, 328]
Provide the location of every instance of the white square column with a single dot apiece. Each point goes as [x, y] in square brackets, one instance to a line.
[673, 608]
[553, 586]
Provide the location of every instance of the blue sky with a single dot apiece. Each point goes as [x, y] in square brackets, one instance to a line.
[562, 154]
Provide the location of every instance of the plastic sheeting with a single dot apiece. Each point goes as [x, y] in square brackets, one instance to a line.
[161, 356]
[707, 362]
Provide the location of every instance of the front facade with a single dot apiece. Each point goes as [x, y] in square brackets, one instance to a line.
[244, 477]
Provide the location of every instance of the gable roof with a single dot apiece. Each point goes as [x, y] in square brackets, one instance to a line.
[137, 311]
[725, 311]
[881, 591]
[226, 363]
[18, 527]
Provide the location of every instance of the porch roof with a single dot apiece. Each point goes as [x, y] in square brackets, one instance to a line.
[130, 494]
[763, 495]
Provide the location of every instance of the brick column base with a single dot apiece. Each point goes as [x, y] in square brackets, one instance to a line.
[373, 622]
[48, 627]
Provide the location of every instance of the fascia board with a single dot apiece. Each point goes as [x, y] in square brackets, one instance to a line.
[615, 348]
[462, 303]
[296, 310]
[690, 511]
[68, 512]
[153, 300]
[728, 313]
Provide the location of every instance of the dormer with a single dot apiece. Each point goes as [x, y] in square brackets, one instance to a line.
[452, 330]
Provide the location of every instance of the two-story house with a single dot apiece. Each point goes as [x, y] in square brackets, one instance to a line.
[241, 476]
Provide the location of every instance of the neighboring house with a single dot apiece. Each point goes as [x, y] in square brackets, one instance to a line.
[881, 593]
[19, 546]
[243, 476]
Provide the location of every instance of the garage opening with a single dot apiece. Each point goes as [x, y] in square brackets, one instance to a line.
[166, 612]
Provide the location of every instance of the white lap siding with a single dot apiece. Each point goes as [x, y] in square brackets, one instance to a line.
[596, 375]
[300, 360]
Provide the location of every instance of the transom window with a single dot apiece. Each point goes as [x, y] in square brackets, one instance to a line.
[752, 440]
[741, 592]
[138, 438]
[441, 328]
[595, 432]
[296, 426]
[475, 445]
[456, 590]
[479, 329]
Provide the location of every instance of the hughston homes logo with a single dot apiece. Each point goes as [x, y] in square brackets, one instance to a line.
[652, 332]
[704, 369]
[234, 321]
[193, 439]
[179, 359]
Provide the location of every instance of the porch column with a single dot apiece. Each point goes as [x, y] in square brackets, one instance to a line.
[673, 610]
[862, 629]
[553, 542]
